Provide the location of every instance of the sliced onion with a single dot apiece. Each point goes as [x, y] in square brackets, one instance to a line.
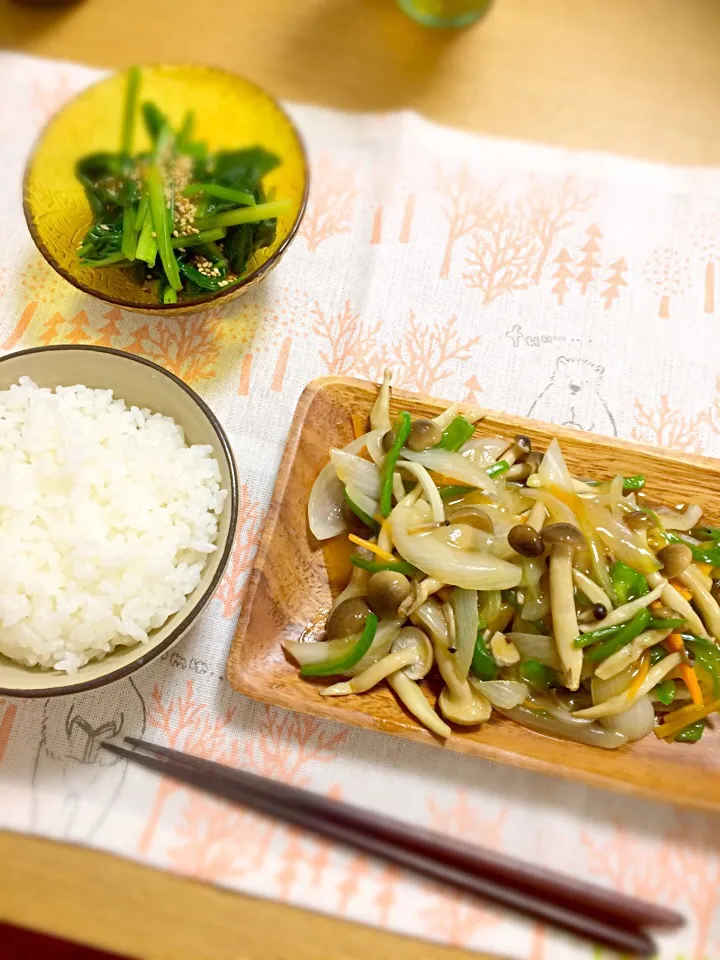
[568, 728]
[430, 616]
[636, 722]
[485, 451]
[428, 487]
[674, 520]
[357, 585]
[358, 472]
[380, 413]
[366, 504]
[559, 512]
[534, 646]
[319, 651]
[385, 636]
[553, 471]
[455, 466]
[325, 505]
[620, 540]
[502, 693]
[444, 561]
[465, 608]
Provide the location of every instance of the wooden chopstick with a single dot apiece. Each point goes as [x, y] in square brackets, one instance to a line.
[586, 911]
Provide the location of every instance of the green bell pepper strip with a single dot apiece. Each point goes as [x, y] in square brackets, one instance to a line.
[361, 515]
[627, 583]
[344, 663]
[707, 655]
[448, 493]
[158, 210]
[593, 636]
[376, 566]
[222, 193]
[657, 654]
[709, 555]
[691, 733]
[633, 628]
[456, 434]
[538, 675]
[669, 623]
[497, 469]
[707, 533]
[483, 666]
[633, 483]
[402, 432]
[665, 692]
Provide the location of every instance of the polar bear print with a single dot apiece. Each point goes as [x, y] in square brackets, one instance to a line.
[573, 397]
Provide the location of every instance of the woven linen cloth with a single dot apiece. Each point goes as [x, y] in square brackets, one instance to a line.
[570, 286]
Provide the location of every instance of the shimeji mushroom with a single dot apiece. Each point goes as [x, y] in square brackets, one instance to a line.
[504, 651]
[404, 681]
[562, 540]
[411, 652]
[675, 559]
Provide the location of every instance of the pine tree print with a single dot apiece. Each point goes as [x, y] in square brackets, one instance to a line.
[614, 282]
[562, 275]
[588, 263]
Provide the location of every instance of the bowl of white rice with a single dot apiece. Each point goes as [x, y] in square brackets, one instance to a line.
[118, 507]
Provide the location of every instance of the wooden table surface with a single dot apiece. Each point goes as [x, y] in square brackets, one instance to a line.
[639, 77]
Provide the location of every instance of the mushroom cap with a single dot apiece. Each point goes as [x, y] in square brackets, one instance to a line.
[638, 520]
[424, 434]
[525, 540]
[562, 534]
[347, 618]
[415, 639]
[467, 712]
[523, 443]
[472, 515]
[386, 590]
[675, 559]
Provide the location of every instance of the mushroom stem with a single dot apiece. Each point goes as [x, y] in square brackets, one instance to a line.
[706, 603]
[671, 598]
[628, 610]
[621, 702]
[380, 413]
[373, 675]
[421, 592]
[562, 606]
[536, 517]
[414, 699]
[591, 590]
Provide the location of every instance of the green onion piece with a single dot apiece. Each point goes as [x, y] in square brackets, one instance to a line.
[402, 432]
[483, 666]
[497, 469]
[538, 675]
[665, 692]
[627, 583]
[657, 654]
[344, 663]
[709, 555]
[222, 193]
[197, 239]
[449, 493]
[156, 195]
[669, 623]
[132, 89]
[593, 636]
[633, 628]
[691, 733]
[633, 483]
[456, 434]
[231, 218]
[376, 566]
[361, 515]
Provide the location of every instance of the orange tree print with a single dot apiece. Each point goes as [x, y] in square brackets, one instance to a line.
[669, 275]
[40, 285]
[47, 98]
[247, 538]
[331, 204]
[454, 917]
[502, 254]
[614, 282]
[706, 237]
[187, 724]
[668, 426]
[549, 208]
[588, 263]
[467, 204]
[562, 275]
[8, 713]
[430, 352]
[349, 346]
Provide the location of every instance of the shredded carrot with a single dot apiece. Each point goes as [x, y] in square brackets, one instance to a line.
[359, 425]
[372, 547]
[656, 605]
[675, 643]
[704, 568]
[640, 676]
[691, 682]
[679, 719]
[682, 589]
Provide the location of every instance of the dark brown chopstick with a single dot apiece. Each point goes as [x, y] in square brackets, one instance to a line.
[584, 910]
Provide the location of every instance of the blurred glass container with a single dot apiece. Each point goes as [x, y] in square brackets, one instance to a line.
[445, 13]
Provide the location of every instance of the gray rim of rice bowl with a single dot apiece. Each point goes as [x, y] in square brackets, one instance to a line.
[71, 688]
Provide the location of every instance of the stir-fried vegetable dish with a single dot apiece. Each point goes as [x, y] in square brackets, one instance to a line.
[576, 606]
[187, 222]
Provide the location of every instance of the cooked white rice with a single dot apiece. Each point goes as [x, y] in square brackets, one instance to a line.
[107, 518]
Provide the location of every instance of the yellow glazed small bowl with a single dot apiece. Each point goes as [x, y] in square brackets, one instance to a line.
[230, 112]
[144, 384]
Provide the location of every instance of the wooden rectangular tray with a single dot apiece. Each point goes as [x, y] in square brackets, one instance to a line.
[294, 577]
